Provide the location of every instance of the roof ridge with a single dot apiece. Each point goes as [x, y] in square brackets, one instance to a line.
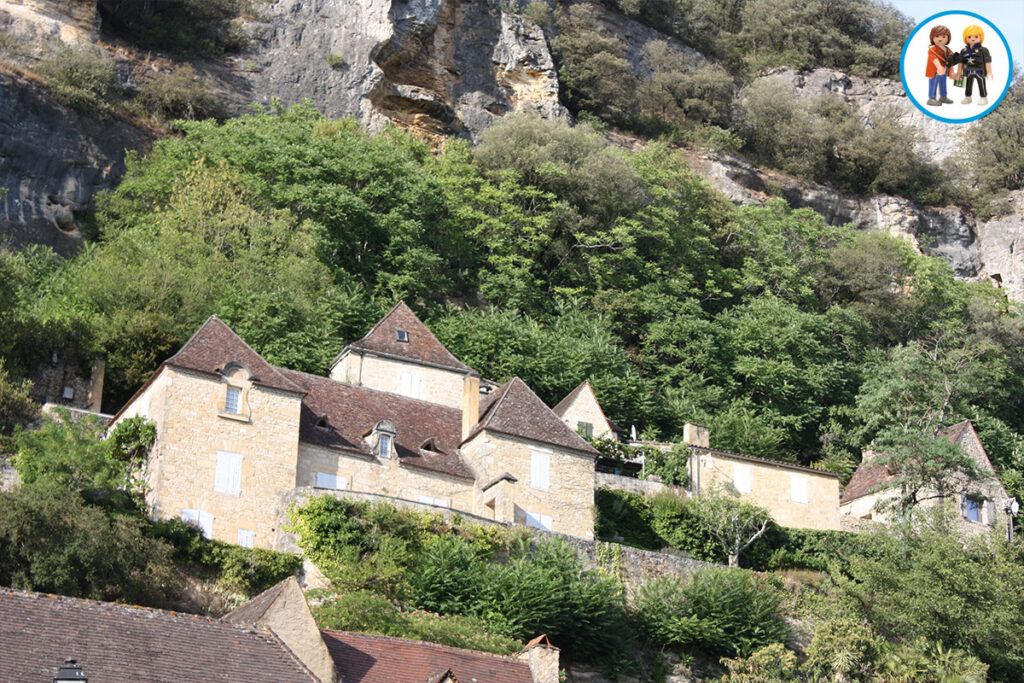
[438, 646]
[570, 398]
[133, 608]
[493, 407]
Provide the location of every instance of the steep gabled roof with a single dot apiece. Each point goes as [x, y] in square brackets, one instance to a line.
[363, 658]
[865, 479]
[214, 345]
[584, 389]
[352, 412]
[115, 642]
[422, 346]
[515, 410]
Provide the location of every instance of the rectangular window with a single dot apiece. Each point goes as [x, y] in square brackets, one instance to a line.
[431, 500]
[384, 446]
[538, 521]
[403, 335]
[330, 481]
[540, 469]
[228, 477]
[586, 429]
[411, 385]
[973, 510]
[246, 538]
[798, 488]
[741, 477]
[204, 520]
[233, 401]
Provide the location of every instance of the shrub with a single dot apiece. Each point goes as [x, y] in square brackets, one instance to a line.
[178, 94]
[676, 521]
[925, 661]
[365, 612]
[335, 61]
[626, 516]
[842, 649]
[767, 665]
[719, 611]
[16, 407]
[185, 27]
[80, 77]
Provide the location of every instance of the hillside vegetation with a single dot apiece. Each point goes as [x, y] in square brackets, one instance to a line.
[542, 252]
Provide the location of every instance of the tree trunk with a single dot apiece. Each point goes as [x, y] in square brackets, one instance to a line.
[734, 559]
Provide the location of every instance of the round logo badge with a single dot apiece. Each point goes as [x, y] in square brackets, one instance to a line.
[956, 66]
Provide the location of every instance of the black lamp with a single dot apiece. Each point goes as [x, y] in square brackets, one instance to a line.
[70, 672]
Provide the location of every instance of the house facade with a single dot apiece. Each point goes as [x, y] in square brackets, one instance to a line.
[980, 505]
[399, 415]
[796, 496]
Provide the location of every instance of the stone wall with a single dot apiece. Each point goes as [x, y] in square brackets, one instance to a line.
[569, 497]
[772, 487]
[645, 487]
[439, 386]
[586, 409]
[188, 409]
[633, 565]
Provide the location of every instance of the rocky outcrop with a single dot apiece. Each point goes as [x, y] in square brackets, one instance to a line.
[977, 250]
[436, 67]
[41, 20]
[52, 162]
[938, 142]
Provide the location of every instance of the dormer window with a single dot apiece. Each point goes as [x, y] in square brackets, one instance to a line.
[322, 422]
[233, 401]
[403, 336]
[385, 433]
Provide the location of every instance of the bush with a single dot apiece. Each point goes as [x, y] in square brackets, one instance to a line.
[841, 649]
[335, 61]
[16, 408]
[719, 611]
[767, 665]
[51, 541]
[365, 612]
[81, 77]
[185, 27]
[178, 94]
[625, 516]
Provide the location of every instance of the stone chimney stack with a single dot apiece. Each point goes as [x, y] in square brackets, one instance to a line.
[542, 658]
[99, 366]
[696, 435]
[470, 403]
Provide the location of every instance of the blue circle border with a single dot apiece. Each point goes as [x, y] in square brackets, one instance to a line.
[930, 114]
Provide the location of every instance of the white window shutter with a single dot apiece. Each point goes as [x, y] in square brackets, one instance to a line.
[741, 477]
[545, 522]
[246, 538]
[538, 521]
[326, 481]
[206, 523]
[190, 516]
[990, 513]
[540, 470]
[228, 476]
[798, 488]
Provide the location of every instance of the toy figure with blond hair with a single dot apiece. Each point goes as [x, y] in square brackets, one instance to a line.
[938, 55]
[975, 64]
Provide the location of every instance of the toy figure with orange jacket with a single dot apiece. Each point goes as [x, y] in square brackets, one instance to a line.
[939, 54]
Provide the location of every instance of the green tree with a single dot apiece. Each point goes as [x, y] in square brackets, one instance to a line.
[736, 524]
[16, 408]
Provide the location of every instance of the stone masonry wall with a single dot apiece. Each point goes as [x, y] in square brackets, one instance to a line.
[586, 409]
[771, 488]
[633, 565]
[384, 374]
[569, 498]
[645, 487]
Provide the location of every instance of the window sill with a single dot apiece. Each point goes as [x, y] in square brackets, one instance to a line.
[237, 417]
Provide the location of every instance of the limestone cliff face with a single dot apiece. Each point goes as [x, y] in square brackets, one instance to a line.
[68, 20]
[436, 67]
[52, 161]
[976, 250]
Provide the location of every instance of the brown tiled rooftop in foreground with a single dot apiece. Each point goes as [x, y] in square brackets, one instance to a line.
[362, 658]
[120, 643]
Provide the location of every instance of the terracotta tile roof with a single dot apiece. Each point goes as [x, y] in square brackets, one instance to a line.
[214, 345]
[352, 412]
[363, 658]
[954, 433]
[515, 410]
[422, 345]
[122, 643]
[864, 480]
[252, 612]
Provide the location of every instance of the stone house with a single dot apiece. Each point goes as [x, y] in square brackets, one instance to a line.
[981, 505]
[796, 496]
[399, 415]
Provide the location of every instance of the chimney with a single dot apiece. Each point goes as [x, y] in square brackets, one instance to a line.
[99, 366]
[470, 402]
[542, 658]
[696, 435]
